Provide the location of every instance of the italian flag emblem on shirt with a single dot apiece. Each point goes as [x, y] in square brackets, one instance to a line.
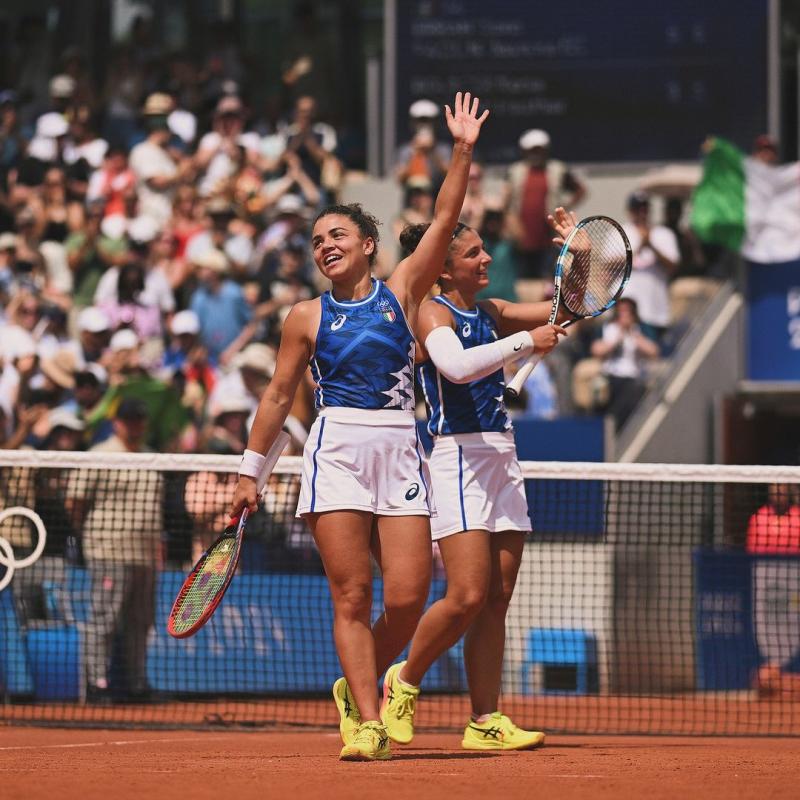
[387, 312]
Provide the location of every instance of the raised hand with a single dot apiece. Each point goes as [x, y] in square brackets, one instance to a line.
[463, 121]
[564, 222]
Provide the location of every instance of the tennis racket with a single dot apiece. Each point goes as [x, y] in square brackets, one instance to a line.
[592, 270]
[204, 588]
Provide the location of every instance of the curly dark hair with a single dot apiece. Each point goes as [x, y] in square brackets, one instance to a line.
[366, 223]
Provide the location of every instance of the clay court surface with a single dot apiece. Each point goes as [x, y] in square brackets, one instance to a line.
[65, 764]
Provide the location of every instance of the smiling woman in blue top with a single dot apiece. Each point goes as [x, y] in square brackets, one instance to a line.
[364, 486]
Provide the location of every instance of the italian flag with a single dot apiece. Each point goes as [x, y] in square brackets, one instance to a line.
[748, 206]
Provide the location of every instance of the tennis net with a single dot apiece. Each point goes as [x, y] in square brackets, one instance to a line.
[659, 599]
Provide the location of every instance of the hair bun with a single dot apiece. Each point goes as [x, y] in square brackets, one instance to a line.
[411, 236]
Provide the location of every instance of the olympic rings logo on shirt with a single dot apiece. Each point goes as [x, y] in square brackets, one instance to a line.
[7, 558]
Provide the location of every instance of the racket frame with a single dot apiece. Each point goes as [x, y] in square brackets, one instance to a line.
[236, 534]
[270, 460]
[514, 386]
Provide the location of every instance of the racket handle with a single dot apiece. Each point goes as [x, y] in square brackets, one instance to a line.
[240, 517]
[517, 382]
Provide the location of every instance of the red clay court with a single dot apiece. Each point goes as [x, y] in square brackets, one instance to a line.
[87, 764]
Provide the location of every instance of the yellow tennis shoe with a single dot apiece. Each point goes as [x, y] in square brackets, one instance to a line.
[370, 743]
[349, 716]
[399, 705]
[499, 733]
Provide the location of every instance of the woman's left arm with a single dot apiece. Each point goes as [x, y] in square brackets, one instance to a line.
[415, 275]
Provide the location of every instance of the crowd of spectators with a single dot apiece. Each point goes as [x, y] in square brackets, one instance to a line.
[154, 234]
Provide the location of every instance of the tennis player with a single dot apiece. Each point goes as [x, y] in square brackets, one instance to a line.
[363, 484]
[482, 512]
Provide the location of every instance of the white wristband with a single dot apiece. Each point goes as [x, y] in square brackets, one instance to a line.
[252, 463]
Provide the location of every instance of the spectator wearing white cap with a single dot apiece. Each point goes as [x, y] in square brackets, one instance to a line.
[49, 138]
[422, 159]
[252, 371]
[58, 371]
[18, 354]
[220, 306]
[228, 429]
[157, 168]
[94, 333]
[123, 359]
[218, 151]
[537, 184]
[62, 90]
[65, 431]
[185, 353]
[52, 124]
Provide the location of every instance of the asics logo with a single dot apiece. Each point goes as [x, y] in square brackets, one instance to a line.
[338, 322]
[413, 491]
[489, 733]
[466, 329]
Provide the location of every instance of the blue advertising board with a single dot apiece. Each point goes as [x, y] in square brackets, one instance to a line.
[773, 333]
[272, 634]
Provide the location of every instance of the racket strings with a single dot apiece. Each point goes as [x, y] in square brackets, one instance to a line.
[209, 580]
[594, 269]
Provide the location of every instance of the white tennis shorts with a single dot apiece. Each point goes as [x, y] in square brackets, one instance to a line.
[478, 484]
[364, 460]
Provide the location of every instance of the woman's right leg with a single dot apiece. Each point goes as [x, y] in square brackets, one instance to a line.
[467, 563]
[343, 538]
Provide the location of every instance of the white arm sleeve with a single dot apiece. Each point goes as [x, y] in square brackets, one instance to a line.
[462, 366]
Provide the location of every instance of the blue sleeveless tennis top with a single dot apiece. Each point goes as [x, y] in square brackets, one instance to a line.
[364, 353]
[475, 407]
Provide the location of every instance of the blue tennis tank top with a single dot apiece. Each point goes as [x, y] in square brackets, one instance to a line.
[364, 353]
[475, 407]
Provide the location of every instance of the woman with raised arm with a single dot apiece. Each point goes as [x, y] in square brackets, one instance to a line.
[363, 485]
[482, 511]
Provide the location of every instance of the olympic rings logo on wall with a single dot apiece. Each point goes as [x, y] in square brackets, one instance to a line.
[7, 558]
